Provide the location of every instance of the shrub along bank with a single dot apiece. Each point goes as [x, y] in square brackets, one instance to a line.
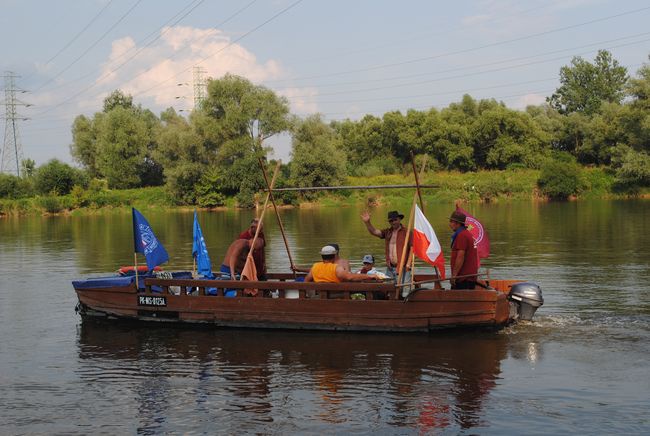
[556, 180]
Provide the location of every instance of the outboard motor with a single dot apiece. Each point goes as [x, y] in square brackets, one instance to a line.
[525, 299]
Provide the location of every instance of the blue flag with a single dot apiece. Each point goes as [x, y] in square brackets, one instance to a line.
[145, 242]
[200, 251]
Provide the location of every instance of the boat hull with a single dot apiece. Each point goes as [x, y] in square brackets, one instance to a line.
[423, 311]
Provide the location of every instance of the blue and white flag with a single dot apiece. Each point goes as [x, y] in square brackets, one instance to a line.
[145, 242]
[200, 251]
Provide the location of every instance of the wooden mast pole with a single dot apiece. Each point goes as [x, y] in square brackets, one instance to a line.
[135, 267]
[417, 185]
[403, 260]
[277, 215]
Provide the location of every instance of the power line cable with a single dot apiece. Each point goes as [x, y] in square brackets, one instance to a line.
[475, 73]
[74, 38]
[404, 40]
[89, 48]
[467, 50]
[451, 70]
[51, 107]
[192, 5]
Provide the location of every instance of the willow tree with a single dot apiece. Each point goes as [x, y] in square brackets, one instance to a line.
[235, 121]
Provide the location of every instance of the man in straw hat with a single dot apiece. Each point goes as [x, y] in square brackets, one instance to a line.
[464, 256]
[395, 237]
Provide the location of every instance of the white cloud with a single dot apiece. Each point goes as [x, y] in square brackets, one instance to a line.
[302, 100]
[153, 76]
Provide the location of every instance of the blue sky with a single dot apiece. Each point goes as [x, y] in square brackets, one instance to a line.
[343, 59]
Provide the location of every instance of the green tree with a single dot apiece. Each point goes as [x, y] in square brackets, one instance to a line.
[234, 122]
[122, 147]
[27, 168]
[117, 99]
[632, 168]
[316, 157]
[501, 136]
[84, 142]
[118, 144]
[58, 177]
[14, 187]
[559, 177]
[584, 86]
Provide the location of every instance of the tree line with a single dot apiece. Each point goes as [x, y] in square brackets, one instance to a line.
[598, 116]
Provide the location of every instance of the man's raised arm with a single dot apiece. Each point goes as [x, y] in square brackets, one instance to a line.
[365, 216]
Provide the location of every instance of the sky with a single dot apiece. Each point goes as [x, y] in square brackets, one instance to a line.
[342, 59]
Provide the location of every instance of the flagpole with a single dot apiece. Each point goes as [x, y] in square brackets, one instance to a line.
[417, 179]
[417, 186]
[135, 262]
[277, 215]
[403, 260]
[412, 269]
[261, 218]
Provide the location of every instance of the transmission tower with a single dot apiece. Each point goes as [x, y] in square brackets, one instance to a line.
[12, 151]
[200, 85]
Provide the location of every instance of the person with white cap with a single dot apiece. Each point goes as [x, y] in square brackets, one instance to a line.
[328, 271]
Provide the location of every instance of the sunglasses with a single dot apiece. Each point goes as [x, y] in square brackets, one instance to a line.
[392, 220]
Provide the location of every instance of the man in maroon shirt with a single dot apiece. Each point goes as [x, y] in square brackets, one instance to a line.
[258, 253]
[464, 256]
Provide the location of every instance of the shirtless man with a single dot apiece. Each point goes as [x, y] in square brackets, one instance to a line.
[236, 255]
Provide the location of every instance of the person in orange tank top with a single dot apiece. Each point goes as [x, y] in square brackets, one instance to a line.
[328, 271]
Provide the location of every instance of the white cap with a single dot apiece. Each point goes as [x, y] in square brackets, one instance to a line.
[327, 250]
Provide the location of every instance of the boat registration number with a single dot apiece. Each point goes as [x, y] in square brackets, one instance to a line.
[152, 301]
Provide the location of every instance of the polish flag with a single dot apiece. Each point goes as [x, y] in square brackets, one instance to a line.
[425, 242]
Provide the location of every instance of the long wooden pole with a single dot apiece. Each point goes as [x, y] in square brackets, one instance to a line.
[277, 215]
[417, 184]
[249, 258]
[135, 263]
[334, 188]
[403, 261]
[417, 179]
[438, 280]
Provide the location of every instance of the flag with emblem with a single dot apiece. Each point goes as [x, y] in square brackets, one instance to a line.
[145, 242]
[481, 239]
[200, 250]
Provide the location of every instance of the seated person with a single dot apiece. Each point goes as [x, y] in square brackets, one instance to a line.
[328, 271]
[368, 265]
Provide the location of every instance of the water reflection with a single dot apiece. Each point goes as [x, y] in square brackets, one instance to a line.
[241, 376]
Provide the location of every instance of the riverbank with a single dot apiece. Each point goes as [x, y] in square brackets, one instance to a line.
[482, 186]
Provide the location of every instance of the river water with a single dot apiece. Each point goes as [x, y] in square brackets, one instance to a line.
[581, 366]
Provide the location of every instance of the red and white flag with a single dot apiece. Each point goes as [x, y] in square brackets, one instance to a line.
[425, 242]
[481, 240]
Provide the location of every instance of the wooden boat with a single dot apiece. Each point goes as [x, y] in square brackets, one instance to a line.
[282, 302]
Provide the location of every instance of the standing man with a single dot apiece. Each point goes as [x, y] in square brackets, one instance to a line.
[464, 256]
[395, 237]
[258, 254]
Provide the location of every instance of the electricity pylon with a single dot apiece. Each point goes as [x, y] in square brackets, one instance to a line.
[12, 151]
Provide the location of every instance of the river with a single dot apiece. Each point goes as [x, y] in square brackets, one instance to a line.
[581, 366]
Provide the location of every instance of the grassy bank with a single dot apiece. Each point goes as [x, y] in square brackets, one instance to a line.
[482, 186]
